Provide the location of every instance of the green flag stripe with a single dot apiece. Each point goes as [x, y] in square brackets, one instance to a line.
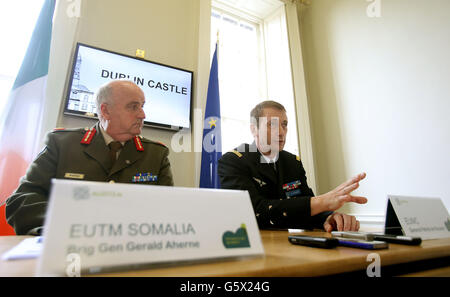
[35, 63]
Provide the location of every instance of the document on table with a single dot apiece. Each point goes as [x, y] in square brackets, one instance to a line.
[26, 249]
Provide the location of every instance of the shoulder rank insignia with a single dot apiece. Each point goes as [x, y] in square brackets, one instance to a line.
[298, 158]
[138, 143]
[237, 153]
[87, 138]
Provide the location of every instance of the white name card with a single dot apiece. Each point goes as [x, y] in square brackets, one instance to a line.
[92, 226]
[421, 217]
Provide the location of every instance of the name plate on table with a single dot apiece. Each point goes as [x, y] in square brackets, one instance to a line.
[92, 227]
[417, 217]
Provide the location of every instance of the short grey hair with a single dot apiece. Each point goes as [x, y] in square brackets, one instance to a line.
[103, 95]
[258, 110]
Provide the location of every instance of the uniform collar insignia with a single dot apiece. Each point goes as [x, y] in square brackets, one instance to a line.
[87, 137]
[138, 143]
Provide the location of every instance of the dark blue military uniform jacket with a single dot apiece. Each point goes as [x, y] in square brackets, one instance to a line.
[280, 197]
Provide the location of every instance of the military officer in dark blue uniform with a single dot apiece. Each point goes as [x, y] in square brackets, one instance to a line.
[110, 151]
[276, 180]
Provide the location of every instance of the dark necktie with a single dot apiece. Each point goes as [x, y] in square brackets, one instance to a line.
[114, 147]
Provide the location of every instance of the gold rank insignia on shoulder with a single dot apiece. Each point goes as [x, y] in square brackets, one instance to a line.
[237, 153]
[298, 158]
[87, 138]
[138, 144]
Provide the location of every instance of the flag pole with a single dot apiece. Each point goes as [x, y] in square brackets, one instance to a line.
[217, 45]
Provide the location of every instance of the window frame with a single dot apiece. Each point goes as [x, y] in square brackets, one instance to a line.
[263, 78]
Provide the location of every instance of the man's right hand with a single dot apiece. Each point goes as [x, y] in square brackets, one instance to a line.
[336, 198]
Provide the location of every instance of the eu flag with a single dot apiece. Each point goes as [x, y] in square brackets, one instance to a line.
[212, 140]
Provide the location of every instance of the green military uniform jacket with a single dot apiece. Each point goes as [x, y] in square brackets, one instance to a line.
[280, 196]
[65, 157]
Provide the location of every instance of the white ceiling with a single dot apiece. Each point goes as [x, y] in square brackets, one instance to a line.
[256, 8]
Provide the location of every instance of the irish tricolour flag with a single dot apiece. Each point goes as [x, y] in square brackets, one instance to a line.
[21, 120]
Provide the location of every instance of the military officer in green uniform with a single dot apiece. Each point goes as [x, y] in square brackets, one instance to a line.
[276, 180]
[110, 151]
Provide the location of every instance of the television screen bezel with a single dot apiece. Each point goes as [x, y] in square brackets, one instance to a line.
[95, 116]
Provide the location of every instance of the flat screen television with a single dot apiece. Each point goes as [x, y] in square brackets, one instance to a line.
[168, 89]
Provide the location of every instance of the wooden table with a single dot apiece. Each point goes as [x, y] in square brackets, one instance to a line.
[281, 258]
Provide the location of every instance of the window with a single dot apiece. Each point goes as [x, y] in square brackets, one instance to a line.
[254, 65]
[17, 21]
[239, 74]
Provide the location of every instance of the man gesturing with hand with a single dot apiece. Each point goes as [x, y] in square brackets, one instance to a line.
[334, 200]
[276, 179]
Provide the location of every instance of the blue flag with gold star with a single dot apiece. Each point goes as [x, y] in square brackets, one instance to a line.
[212, 139]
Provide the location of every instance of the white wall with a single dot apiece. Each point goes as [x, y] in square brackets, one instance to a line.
[379, 93]
[171, 31]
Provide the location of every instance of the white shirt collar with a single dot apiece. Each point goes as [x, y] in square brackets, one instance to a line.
[268, 159]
